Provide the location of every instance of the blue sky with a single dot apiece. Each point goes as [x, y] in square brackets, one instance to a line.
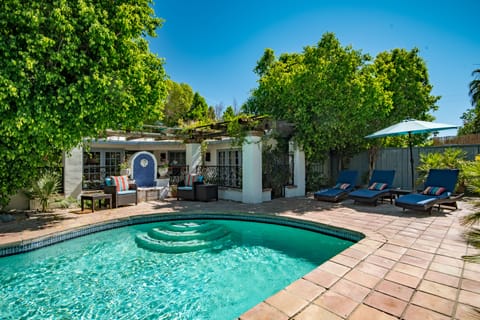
[214, 45]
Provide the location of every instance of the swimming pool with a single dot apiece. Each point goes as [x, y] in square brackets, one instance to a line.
[108, 275]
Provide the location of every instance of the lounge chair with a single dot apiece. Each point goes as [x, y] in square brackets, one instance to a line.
[344, 185]
[439, 189]
[378, 187]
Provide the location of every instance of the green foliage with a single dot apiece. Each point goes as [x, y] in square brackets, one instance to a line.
[451, 158]
[228, 114]
[44, 188]
[335, 96]
[471, 118]
[199, 109]
[70, 70]
[179, 101]
[472, 234]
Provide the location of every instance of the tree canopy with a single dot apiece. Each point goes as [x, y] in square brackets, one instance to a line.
[471, 117]
[70, 70]
[337, 95]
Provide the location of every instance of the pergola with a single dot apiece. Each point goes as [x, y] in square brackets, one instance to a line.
[216, 130]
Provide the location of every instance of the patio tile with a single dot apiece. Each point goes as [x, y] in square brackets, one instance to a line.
[449, 261]
[287, 303]
[388, 254]
[442, 278]
[351, 290]
[433, 302]
[387, 304]
[420, 254]
[334, 268]
[453, 271]
[394, 248]
[415, 261]
[466, 312]
[305, 289]
[469, 274]
[471, 285]
[380, 261]
[322, 278]
[362, 278]
[470, 298]
[263, 311]
[417, 313]
[409, 269]
[336, 303]
[316, 312]
[438, 289]
[345, 260]
[354, 253]
[395, 289]
[364, 312]
[403, 278]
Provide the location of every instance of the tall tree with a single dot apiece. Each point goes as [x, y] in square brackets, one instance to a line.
[471, 118]
[70, 70]
[335, 96]
[199, 108]
[179, 101]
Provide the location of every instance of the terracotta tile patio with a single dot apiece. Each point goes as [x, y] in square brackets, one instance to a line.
[408, 266]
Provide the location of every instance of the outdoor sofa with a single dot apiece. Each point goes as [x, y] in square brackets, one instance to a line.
[187, 188]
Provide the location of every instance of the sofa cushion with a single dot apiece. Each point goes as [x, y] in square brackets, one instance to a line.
[185, 188]
[120, 182]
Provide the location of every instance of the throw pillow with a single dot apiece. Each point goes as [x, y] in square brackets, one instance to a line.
[378, 186]
[342, 186]
[434, 191]
[120, 182]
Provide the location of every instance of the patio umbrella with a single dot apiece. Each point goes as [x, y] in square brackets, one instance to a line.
[411, 127]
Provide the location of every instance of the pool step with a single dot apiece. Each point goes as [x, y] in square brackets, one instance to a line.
[186, 238]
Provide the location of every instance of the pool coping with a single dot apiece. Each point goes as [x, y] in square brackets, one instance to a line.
[412, 251]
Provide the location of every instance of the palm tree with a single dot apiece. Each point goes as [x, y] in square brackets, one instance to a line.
[475, 88]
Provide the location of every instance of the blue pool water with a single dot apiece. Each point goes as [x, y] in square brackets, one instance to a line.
[106, 275]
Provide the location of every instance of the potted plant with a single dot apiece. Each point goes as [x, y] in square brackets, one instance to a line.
[173, 190]
[163, 169]
[42, 190]
[125, 168]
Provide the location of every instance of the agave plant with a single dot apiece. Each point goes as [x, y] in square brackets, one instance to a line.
[44, 188]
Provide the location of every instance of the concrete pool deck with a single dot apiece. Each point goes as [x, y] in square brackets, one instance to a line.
[408, 266]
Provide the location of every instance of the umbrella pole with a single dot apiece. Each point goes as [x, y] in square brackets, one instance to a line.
[411, 159]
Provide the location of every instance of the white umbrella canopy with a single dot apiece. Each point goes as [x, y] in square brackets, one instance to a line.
[411, 127]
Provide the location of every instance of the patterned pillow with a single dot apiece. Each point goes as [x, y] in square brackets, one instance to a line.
[120, 182]
[342, 186]
[378, 186]
[434, 191]
[190, 179]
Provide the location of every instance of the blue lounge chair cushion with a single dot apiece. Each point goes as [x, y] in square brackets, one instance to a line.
[345, 183]
[380, 184]
[186, 188]
[440, 187]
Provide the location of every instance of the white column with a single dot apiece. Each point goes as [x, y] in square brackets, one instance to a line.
[193, 154]
[252, 170]
[73, 172]
[298, 190]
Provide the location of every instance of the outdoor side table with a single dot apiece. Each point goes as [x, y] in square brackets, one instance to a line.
[93, 197]
[205, 192]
